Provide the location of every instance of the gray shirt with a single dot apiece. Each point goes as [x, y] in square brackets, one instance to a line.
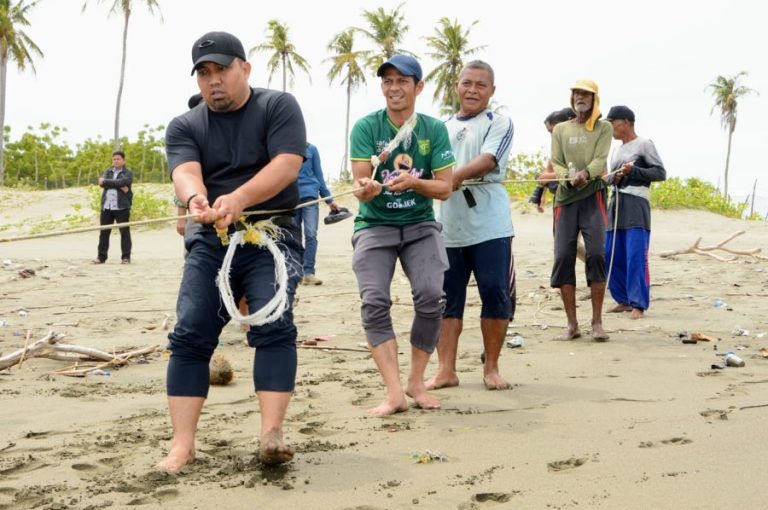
[634, 188]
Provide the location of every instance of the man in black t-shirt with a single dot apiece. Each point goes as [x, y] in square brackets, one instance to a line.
[239, 150]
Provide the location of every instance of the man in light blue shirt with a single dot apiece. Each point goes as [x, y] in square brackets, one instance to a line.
[477, 227]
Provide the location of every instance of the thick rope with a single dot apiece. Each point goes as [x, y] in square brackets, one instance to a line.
[259, 234]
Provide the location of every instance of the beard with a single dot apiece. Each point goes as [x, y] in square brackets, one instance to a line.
[221, 105]
[582, 108]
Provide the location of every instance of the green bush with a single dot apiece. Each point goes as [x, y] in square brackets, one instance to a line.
[674, 193]
[145, 206]
[693, 193]
[524, 167]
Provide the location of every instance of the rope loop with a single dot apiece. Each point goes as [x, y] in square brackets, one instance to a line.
[261, 234]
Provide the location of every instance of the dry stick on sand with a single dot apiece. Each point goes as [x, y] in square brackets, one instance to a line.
[706, 250]
[26, 343]
[48, 347]
[322, 348]
[118, 360]
[30, 351]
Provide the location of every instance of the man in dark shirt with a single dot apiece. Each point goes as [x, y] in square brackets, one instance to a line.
[239, 150]
[116, 199]
[636, 164]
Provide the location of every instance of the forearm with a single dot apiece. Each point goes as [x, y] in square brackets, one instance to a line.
[188, 181]
[439, 187]
[478, 167]
[650, 174]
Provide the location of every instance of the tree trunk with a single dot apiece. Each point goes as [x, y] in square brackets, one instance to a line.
[3, 77]
[346, 174]
[752, 208]
[727, 161]
[116, 145]
[283, 72]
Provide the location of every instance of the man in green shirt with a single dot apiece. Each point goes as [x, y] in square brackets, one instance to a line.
[401, 161]
[579, 154]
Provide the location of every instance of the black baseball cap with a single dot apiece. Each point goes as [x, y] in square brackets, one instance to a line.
[620, 113]
[218, 47]
[406, 64]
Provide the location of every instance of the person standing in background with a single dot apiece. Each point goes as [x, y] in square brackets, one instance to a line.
[311, 184]
[116, 200]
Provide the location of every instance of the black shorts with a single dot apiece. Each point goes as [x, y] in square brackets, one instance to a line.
[587, 216]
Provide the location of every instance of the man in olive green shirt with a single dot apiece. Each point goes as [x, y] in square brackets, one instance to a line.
[579, 154]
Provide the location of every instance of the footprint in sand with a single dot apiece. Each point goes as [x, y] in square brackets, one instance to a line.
[672, 441]
[84, 466]
[498, 497]
[562, 465]
[141, 501]
[164, 495]
[717, 413]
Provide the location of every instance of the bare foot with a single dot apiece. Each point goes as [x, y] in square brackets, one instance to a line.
[272, 450]
[176, 460]
[421, 397]
[620, 308]
[598, 333]
[389, 407]
[439, 381]
[494, 381]
[571, 333]
[636, 314]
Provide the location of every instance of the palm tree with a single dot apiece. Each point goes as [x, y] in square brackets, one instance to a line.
[125, 7]
[727, 91]
[386, 30]
[284, 53]
[345, 64]
[15, 45]
[450, 48]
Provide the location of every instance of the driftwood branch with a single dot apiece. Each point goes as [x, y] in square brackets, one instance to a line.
[707, 250]
[49, 347]
[324, 348]
[30, 350]
[116, 361]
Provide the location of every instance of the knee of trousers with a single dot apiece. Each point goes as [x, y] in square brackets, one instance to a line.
[429, 305]
[191, 347]
[376, 316]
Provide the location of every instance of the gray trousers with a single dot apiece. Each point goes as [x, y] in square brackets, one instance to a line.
[421, 252]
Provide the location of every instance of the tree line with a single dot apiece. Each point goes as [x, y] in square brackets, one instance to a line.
[349, 64]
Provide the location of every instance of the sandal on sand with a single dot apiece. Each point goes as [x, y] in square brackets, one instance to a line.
[600, 338]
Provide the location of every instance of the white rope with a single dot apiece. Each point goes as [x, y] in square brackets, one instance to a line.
[403, 136]
[613, 239]
[275, 307]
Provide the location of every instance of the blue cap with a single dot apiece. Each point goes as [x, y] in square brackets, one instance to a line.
[407, 65]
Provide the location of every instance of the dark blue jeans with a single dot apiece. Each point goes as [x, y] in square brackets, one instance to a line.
[201, 315]
[309, 216]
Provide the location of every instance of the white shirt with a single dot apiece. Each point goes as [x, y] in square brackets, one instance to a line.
[485, 133]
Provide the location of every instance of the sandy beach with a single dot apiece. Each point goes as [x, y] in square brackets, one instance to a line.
[639, 422]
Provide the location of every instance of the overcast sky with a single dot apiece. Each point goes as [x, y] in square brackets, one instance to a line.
[655, 56]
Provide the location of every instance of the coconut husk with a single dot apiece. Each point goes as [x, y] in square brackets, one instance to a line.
[221, 372]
